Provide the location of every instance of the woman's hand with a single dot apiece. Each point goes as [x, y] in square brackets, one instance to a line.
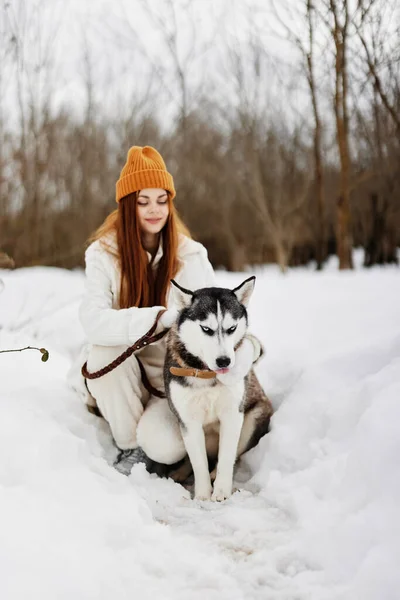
[168, 318]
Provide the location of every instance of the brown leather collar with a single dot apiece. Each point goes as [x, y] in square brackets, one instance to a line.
[187, 372]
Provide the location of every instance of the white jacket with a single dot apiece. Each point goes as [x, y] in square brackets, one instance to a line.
[105, 324]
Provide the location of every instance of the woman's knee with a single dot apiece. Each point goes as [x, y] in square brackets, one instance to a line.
[100, 356]
[119, 394]
[158, 433]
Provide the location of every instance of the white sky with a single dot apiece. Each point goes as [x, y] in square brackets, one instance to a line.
[123, 45]
[122, 42]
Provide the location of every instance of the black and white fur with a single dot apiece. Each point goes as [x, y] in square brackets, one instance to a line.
[217, 420]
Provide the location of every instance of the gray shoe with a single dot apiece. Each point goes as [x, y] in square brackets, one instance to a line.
[127, 458]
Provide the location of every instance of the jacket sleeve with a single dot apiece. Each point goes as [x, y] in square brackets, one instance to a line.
[204, 268]
[104, 325]
[258, 349]
[209, 272]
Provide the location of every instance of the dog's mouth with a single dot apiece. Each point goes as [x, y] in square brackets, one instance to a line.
[221, 371]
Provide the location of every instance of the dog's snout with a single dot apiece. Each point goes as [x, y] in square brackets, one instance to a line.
[223, 362]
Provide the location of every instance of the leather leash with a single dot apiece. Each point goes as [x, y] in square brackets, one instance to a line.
[145, 380]
[145, 340]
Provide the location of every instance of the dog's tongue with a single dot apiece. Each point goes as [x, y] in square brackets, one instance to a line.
[221, 371]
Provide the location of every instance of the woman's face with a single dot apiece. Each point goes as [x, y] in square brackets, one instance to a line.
[152, 209]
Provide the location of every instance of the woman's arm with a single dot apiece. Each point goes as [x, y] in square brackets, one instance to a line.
[204, 273]
[104, 325]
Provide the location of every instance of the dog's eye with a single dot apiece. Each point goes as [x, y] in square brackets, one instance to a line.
[231, 329]
[207, 330]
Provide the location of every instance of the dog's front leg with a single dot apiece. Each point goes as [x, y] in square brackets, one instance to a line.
[230, 428]
[195, 443]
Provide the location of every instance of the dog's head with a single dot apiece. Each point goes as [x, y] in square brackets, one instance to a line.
[212, 321]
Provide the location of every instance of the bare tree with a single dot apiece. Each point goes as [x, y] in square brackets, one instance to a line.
[304, 40]
[179, 58]
[373, 33]
[339, 11]
[33, 75]
[317, 139]
[5, 154]
[274, 179]
[379, 118]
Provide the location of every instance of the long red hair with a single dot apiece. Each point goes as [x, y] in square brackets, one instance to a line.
[140, 286]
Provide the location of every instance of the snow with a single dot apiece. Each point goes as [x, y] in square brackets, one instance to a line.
[316, 513]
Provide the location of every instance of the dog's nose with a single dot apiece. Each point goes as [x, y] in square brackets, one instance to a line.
[223, 362]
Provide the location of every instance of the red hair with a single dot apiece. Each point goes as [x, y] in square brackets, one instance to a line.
[140, 286]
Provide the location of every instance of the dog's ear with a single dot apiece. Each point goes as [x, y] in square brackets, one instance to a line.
[182, 297]
[245, 290]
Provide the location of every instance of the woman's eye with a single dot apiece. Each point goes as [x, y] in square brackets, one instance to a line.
[162, 202]
[207, 330]
[231, 329]
[142, 203]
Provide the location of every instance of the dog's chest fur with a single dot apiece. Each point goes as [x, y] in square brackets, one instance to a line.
[205, 404]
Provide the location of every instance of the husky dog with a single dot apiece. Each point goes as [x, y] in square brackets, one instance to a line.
[218, 419]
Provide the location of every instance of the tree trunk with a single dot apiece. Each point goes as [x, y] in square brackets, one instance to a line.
[282, 255]
[318, 168]
[343, 231]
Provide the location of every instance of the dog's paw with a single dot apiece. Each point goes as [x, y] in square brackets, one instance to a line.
[221, 492]
[202, 493]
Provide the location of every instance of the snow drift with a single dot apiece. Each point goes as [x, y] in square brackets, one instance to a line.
[316, 515]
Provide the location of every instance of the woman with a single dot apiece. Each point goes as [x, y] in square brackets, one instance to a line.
[133, 256]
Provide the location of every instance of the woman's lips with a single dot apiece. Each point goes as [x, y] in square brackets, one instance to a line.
[153, 221]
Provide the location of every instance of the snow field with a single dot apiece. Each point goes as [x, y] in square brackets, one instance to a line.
[317, 513]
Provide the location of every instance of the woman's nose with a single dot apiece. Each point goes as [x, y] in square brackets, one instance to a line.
[153, 208]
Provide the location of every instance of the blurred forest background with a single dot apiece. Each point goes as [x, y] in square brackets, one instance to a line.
[279, 120]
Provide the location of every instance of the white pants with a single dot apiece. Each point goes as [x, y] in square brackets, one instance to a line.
[135, 417]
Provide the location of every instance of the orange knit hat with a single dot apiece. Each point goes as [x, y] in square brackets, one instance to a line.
[144, 168]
